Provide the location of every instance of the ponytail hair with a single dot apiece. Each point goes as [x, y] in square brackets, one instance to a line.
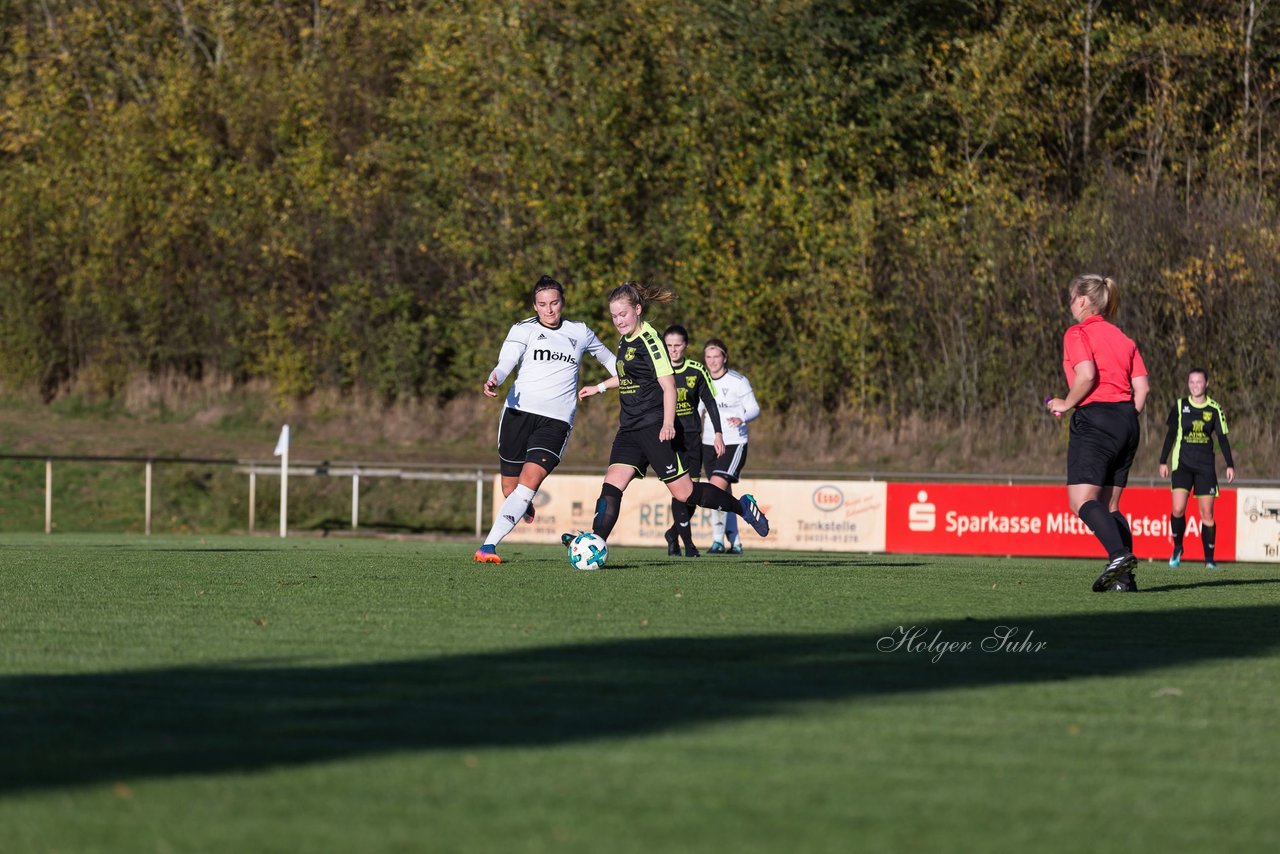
[641, 295]
[1101, 292]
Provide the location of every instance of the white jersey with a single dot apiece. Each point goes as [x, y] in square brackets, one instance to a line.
[734, 399]
[547, 383]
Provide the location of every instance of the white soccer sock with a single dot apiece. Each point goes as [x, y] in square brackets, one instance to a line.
[511, 512]
[717, 525]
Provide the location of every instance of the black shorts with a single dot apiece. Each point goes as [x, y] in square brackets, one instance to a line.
[527, 438]
[1200, 481]
[642, 448]
[728, 465]
[1104, 441]
[689, 446]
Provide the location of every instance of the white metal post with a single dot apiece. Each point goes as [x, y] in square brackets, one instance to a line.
[253, 498]
[355, 501]
[147, 502]
[479, 503]
[48, 496]
[284, 492]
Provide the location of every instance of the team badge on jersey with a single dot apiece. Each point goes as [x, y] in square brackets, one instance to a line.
[630, 354]
[691, 381]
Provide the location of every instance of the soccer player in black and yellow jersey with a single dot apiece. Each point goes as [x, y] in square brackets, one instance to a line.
[1188, 448]
[693, 386]
[647, 419]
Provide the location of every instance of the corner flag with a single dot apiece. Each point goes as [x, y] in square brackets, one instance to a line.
[282, 444]
[282, 451]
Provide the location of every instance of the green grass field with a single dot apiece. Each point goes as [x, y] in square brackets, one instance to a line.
[235, 694]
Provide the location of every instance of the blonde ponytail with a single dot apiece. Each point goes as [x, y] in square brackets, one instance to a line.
[641, 295]
[1102, 292]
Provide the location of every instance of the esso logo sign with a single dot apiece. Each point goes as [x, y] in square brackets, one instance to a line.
[828, 498]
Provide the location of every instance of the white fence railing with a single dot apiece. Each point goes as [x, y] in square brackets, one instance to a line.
[356, 471]
[254, 469]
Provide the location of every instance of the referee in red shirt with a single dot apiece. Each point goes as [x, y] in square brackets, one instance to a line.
[1108, 389]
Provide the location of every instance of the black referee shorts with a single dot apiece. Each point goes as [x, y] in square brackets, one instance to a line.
[1198, 480]
[642, 448]
[527, 438]
[1104, 441]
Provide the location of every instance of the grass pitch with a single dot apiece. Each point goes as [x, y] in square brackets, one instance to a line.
[234, 694]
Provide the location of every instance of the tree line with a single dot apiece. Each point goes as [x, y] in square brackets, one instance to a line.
[878, 204]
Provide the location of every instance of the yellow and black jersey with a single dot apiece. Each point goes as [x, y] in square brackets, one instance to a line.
[693, 386]
[642, 359]
[1188, 442]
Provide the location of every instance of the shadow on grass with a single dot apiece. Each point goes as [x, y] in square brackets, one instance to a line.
[834, 562]
[74, 729]
[1212, 582]
[374, 526]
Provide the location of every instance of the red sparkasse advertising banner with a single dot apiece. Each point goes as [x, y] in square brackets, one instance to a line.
[936, 518]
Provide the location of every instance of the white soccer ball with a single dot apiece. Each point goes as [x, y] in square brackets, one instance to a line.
[588, 551]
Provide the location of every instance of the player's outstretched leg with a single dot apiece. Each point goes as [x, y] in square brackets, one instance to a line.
[711, 496]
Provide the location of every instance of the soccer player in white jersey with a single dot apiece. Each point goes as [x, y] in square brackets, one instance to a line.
[538, 416]
[737, 404]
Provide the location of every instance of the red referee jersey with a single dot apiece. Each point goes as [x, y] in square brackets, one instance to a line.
[1112, 352]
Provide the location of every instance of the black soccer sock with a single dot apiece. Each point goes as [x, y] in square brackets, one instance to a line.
[608, 505]
[680, 528]
[1104, 527]
[1209, 536]
[1178, 525]
[710, 495]
[680, 513]
[1126, 535]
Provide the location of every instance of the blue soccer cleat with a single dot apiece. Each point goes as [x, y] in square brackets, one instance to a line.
[754, 516]
[487, 554]
[1176, 559]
